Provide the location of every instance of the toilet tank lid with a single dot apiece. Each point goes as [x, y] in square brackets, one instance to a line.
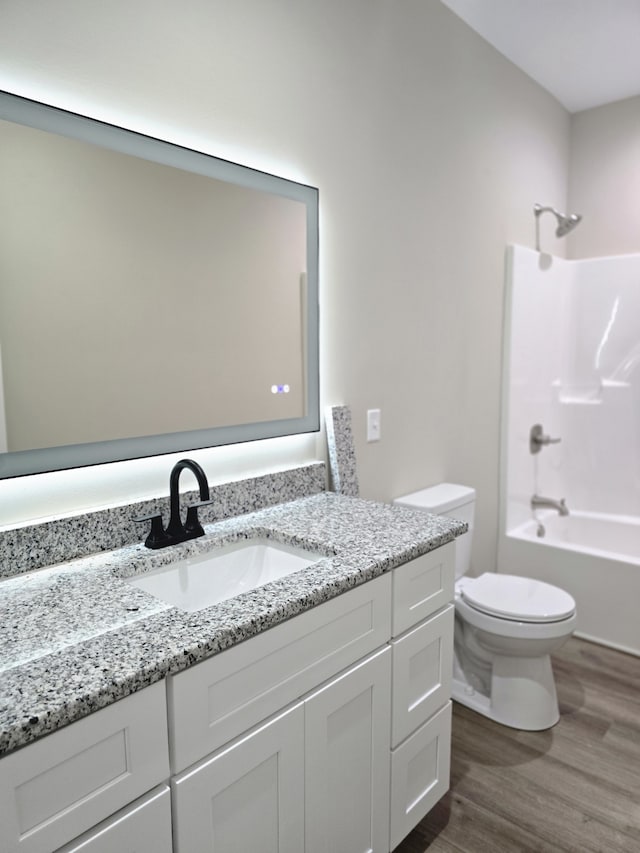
[440, 498]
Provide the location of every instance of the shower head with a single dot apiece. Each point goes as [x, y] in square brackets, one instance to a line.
[565, 223]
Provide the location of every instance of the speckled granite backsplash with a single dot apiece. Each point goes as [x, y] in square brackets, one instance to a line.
[23, 549]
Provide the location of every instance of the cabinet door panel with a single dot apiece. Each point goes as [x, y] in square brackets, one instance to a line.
[422, 586]
[422, 671]
[420, 774]
[247, 797]
[347, 761]
[142, 827]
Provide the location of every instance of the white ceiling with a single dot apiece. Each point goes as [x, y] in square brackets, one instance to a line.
[585, 52]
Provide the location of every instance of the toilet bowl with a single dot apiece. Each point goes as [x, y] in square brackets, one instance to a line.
[506, 628]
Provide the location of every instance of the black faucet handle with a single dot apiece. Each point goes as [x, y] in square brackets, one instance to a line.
[192, 524]
[157, 537]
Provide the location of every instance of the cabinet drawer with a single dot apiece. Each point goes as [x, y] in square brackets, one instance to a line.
[218, 699]
[143, 826]
[60, 786]
[422, 586]
[422, 670]
[420, 774]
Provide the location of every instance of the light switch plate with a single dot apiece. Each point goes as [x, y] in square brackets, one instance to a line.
[373, 425]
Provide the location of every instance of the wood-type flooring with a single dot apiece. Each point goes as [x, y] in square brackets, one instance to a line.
[572, 789]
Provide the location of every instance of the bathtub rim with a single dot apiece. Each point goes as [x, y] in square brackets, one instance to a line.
[517, 532]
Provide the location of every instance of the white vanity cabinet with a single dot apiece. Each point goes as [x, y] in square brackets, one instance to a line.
[328, 732]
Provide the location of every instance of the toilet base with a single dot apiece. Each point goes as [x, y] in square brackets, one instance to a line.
[522, 696]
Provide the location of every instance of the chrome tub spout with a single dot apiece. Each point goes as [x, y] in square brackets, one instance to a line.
[539, 502]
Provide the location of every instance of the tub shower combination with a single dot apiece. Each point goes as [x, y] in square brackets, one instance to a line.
[570, 478]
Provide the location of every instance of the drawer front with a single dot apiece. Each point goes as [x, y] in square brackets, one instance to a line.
[422, 586]
[60, 786]
[218, 699]
[420, 774]
[422, 670]
[142, 827]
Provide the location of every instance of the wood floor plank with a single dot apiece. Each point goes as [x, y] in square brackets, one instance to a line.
[572, 789]
[470, 826]
[575, 774]
[554, 808]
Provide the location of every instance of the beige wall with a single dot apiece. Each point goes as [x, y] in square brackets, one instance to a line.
[604, 179]
[429, 150]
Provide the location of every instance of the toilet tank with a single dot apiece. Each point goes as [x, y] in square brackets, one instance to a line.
[451, 500]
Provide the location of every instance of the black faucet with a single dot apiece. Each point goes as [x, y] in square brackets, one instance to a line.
[177, 531]
[191, 529]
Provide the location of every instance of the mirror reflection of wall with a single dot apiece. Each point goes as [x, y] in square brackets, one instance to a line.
[138, 299]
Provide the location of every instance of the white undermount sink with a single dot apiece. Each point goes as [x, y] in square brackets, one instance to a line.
[198, 582]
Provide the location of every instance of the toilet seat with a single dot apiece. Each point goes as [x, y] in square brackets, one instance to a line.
[517, 598]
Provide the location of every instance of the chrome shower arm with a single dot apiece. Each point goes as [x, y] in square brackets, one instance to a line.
[538, 209]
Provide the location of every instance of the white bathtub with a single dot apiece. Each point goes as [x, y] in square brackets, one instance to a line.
[594, 557]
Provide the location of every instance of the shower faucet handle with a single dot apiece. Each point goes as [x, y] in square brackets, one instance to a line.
[538, 439]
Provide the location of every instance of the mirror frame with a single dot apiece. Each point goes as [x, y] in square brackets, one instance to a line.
[45, 117]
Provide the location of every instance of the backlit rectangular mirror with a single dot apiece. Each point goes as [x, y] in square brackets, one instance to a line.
[152, 298]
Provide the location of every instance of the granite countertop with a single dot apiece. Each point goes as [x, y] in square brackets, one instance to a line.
[76, 637]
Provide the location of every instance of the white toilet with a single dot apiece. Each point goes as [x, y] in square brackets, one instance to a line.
[505, 628]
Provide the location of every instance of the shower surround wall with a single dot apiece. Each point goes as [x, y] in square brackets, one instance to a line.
[572, 364]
